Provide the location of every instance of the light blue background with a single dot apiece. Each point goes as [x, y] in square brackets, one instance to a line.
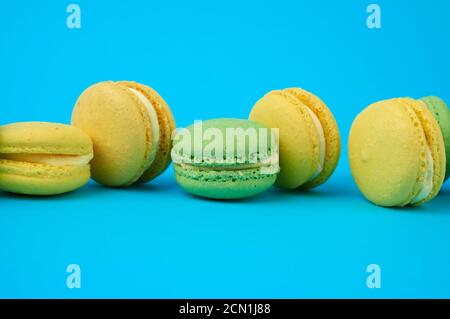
[215, 59]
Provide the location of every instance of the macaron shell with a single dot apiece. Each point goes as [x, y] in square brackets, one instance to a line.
[435, 141]
[44, 138]
[166, 126]
[298, 138]
[120, 128]
[242, 153]
[331, 132]
[441, 113]
[38, 179]
[386, 152]
[223, 184]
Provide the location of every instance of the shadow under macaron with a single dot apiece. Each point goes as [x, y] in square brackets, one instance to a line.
[264, 197]
[161, 184]
[433, 207]
[81, 193]
[275, 194]
[442, 200]
[145, 188]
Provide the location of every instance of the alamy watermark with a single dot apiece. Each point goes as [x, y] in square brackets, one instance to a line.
[74, 278]
[73, 20]
[374, 19]
[374, 279]
[233, 145]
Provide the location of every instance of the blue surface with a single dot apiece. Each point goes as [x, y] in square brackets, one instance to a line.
[215, 59]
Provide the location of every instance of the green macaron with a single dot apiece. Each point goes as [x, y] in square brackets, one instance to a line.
[225, 158]
[441, 113]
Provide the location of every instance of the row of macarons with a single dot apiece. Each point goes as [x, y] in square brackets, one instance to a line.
[124, 133]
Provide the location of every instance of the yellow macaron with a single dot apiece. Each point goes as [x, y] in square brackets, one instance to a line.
[131, 126]
[396, 152]
[309, 140]
[38, 158]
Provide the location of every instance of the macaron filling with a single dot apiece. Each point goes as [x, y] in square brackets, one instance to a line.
[268, 162]
[49, 159]
[322, 144]
[154, 125]
[427, 183]
[269, 166]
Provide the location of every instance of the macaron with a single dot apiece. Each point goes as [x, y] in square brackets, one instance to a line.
[131, 126]
[441, 113]
[38, 158]
[396, 153]
[308, 136]
[225, 158]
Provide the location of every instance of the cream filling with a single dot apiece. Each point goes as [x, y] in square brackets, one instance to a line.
[269, 164]
[254, 158]
[322, 144]
[427, 184]
[50, 159]
[154, 123]
[266, 168]
[220, 168]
